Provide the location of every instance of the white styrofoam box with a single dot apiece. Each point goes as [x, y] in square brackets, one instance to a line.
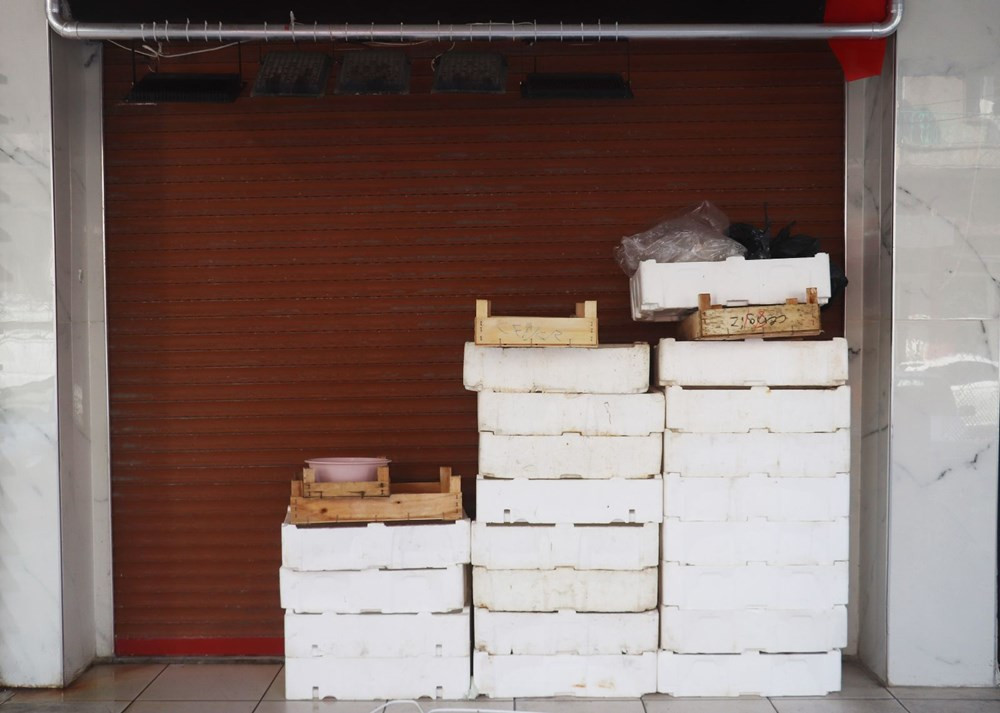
[514, 414]
[748, 673]
[752, 362]
[758, 408]
[569, 501]
[753, 586]
[566, 632]
[377, 678]
[736, 543]
[614, 676]
[699, 631]
[605, 369]
[375, 546]
[570, 455]
[776, 454]
[589, 590]
[565, 545]
[669, 290]
[377, 635]
[779, 499]
[374, 590]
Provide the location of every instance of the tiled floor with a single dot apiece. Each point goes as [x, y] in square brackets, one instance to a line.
[259, 688]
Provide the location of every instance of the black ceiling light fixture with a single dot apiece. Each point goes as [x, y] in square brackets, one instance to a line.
[470, 72]
[374, 72]
[292, 74]
[167, 87]
[576, 86]
[580, 85]
[162, 87]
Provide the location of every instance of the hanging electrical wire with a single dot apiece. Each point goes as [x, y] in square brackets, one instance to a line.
[158, 53]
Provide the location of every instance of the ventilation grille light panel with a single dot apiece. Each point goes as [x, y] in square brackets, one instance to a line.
[479, 72]
[159, 88]
[292, 74]
[374, 72]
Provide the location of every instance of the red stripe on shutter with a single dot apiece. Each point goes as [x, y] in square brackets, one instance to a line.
[200, 647]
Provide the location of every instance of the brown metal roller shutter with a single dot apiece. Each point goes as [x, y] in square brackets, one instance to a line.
[291, 278]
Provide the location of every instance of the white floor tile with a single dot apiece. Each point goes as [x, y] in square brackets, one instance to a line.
[858, 683]
[236, 688]
[579, 705]
[65, 707]
[951, 706]
[668, 697]
[708, 705]
[276, 691]
[192, 707]
[326, 707]
[121, 682]
[489, 704]
[820, 705]
[930, 693]
[211, 682]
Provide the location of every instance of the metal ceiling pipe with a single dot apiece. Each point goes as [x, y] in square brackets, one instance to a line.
[61, 20]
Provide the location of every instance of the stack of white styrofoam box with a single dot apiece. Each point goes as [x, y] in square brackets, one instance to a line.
[668, 291]
[755, 531]
[376, 611]
[565, 547]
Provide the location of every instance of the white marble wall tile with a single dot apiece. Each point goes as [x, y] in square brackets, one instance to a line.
[943, 538]
[948, 137]
[856, 126]
[30, 577]
[873, 562]
[946, 385]
[869, 190]
[53, 424]
[947, 259]
[100, 456]
[85, 68]
[855, 371]
[77, 184]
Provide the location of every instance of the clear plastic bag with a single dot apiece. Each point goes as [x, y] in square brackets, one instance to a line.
[696, 236]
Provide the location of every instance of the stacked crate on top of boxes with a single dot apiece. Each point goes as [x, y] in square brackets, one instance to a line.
[565, 543]
[376, 610]
[755, 530]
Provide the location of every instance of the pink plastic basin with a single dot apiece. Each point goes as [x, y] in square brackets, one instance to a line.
[336, 470]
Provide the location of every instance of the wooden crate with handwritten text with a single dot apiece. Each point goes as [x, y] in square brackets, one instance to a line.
[789, 320]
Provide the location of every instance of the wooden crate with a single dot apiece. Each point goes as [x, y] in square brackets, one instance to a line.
[580, 330]
[715, 322]
[376, 488]
[441, 500]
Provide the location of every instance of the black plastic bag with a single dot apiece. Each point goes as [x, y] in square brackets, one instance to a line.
[786, 245]
[761, 246]
[757, 241]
